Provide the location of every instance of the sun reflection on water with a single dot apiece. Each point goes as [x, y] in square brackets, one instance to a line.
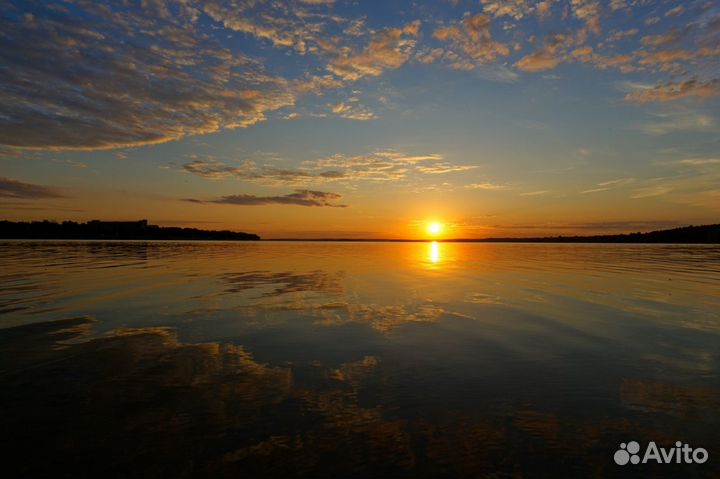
[434, 252]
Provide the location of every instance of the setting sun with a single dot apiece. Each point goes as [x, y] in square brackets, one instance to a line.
[434, 228]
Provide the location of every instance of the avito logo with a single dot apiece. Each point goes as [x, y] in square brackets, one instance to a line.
[680, 454]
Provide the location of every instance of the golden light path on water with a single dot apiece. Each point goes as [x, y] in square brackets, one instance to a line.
[434, 252]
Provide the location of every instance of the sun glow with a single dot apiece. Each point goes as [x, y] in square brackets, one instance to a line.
[434, 228]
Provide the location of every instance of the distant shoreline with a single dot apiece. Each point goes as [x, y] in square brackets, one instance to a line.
[345, 240]
[141, 231]
[706, 234]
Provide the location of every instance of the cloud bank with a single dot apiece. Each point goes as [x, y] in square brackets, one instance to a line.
[299, 198]
[84, 75]
[110, 77]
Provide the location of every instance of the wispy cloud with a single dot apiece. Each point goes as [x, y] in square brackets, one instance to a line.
[535, 193]
[675, 91]
[485, 186]
[609, 185]
[599, 226]
[285, 25]
[381, 165]
[681, 120]
[353, 111]
[697, 164]
[440, 168]
[675, 11]
[650, 191]
[10, 188]
[386, 165]
[671, 36]
[250, 171]
[299, 198]
[699, 161]
[217, 170]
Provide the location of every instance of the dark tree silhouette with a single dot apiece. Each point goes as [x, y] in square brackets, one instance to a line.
[127, 230]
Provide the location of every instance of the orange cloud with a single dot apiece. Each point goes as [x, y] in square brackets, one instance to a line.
[675, 91]
[665, 57]
[353, 111]
[538, 61]
[589, 12]
[472, 42]
[674, 12]
[673, 35]
[388, 49]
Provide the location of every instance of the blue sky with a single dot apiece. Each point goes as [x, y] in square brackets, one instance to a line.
[360, 119]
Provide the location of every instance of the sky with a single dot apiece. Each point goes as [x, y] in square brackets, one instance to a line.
[363, 119]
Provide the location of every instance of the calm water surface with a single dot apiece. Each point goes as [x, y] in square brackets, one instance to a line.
[356, 359]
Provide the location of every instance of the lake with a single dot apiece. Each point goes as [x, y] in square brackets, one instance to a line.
[267, 359]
